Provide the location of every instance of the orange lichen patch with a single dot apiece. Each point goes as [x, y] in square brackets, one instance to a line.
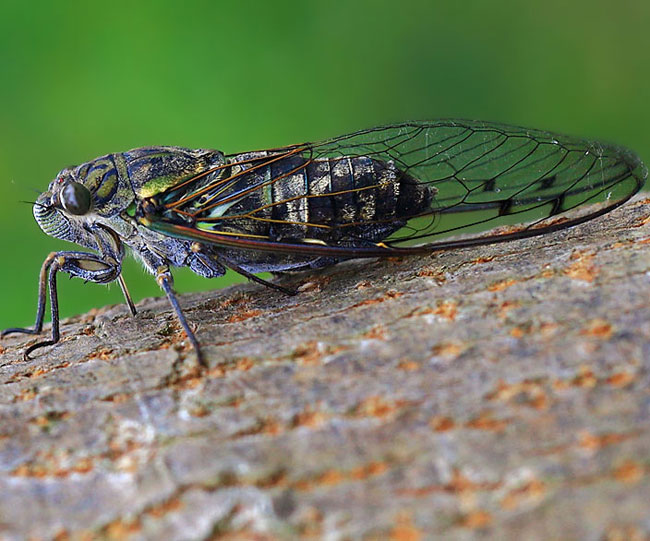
[48, 465]
[623, 244]
[598, 328]
[503, 284]
[628, 472]
[84, 465]
[585, 378]
[475, 520]
[2, 350]
[234, 301]
[404, 530]
[369, 470]
[583, 267]
[446, 310]
[480, 260]
[548, 272]
[643, 241]
[186, 381]
[38, 372]
[408, 365]
[50, 417]
[533, 491]
[311, 419]
[436, 274]
[62, 535]
[274, 479]
[378, 332]
[200, 410]
[103, 354]
[390, 294]
[460, 483]
[505, 307]
[448, 349]
[272, 427]
[327, 478]
[485, 421]
[527, 393]
[268, 425]
[621, 379]
[30, 470]
[334, 477]
[594, 442]
[376, 406]
[121, 529]
[311, 353]
[25, 394]
[244, 315]
[640, 222]
[243, 364]
[544, 329]
[117, 398]
[330, 477]
[520, 330]
[547, 329]
[161, 509]
[440, 423]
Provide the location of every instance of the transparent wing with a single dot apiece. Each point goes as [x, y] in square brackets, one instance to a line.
[482, 176]
[489, 175]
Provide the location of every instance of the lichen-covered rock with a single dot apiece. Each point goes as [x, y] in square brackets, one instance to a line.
[500, 390]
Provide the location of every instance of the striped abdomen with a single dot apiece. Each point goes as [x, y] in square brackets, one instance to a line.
[329, 199]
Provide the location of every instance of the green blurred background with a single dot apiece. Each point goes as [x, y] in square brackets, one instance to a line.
[81, 79]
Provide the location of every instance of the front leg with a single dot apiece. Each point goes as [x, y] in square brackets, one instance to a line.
[90, 267]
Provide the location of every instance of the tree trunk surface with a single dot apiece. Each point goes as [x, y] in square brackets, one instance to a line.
[500, 391]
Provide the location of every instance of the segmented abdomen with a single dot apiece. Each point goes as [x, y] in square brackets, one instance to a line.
[329, 199]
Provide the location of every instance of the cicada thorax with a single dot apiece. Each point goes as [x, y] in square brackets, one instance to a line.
[156, 170]
[346, 200]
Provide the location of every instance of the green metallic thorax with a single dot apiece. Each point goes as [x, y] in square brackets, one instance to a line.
[118, 180]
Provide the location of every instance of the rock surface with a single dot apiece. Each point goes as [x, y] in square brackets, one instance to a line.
[497, 391]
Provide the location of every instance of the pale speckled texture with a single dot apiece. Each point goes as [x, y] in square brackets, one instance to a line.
[497, 392]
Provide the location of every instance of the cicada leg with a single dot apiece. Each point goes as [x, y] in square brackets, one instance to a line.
[127, 295]
[166, 283]
[90, 267]
[233, 266]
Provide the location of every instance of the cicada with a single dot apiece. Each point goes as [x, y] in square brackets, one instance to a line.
[405, 189]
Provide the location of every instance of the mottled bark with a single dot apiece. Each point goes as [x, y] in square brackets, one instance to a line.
[500, 390]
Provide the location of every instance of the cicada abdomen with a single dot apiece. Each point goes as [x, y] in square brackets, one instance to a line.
[290, 197]
[326, 199]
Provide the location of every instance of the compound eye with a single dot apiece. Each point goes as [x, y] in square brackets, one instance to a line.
[76, 198]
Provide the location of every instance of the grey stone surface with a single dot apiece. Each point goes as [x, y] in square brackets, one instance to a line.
[499, 391]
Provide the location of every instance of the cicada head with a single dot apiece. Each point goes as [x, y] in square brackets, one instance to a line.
[62, 211]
